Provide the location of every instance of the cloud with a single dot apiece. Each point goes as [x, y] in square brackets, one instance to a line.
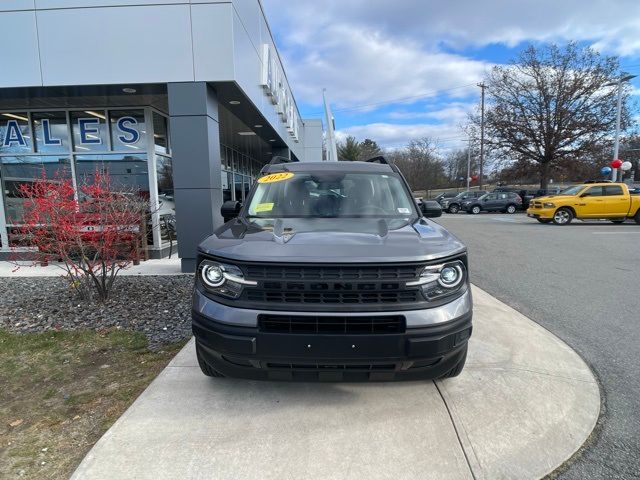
[391, 135]
[364, 51]
[359, 66]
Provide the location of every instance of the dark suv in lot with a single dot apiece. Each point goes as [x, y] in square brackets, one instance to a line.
[507, 202]
[331, 271]
[454, 204]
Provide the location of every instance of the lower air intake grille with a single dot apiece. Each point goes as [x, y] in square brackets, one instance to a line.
[331, 324]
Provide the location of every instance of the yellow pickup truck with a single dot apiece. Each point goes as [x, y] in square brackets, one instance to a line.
[606, 200]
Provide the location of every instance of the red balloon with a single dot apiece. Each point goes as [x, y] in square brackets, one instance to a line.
[474, 177]
[616, 163]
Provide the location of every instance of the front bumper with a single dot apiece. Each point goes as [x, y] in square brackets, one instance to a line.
[546, 213]
[427, 349]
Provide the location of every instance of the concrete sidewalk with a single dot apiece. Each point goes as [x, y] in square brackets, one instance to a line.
[165, 266]
[523, 405]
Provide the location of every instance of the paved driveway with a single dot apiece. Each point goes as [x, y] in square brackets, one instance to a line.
[582, 283]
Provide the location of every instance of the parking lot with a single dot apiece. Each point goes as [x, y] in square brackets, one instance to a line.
[580, 282]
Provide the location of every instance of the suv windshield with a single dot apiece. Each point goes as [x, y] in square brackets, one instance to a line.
[330, 195]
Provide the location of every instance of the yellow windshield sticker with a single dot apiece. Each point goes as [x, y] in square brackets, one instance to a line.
[275, 177]
[264, 207]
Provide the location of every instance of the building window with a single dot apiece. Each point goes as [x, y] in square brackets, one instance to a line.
[14, 133]
[89, 131]
[126, 172]
[15, 171]
[160, 133]
[128, 130]
[166, 200]
[227, 180]
[51, 132]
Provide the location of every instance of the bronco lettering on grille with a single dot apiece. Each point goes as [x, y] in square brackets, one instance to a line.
[334, 286]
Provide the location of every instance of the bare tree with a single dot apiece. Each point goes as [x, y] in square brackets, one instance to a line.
[552, 104]
[420, 164]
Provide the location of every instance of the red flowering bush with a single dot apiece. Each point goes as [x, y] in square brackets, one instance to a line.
[95, 234]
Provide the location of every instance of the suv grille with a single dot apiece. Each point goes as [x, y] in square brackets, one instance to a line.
[331, 286]
[331, 324]
[323, 298]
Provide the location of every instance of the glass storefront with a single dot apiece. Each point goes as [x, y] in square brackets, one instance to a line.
[131, 144]
[74, 145]
[239, 171]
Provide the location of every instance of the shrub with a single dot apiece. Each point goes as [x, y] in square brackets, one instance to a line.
[94, 233]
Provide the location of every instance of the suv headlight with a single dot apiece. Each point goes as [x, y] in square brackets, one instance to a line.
[437, 281]
[549, 205]
[223, 279]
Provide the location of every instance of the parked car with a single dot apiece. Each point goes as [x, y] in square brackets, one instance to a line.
[445, 196]
[453, 205]
[298, 284]
[603, 200]
[528, 195]
[507, 202]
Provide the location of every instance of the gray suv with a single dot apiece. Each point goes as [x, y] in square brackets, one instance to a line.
[331, 271]
[453, 205]
[507, 202]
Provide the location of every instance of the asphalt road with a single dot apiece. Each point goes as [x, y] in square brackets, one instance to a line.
[581, 282]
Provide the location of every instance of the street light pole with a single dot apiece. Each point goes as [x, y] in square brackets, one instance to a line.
[482, 87]
[616, 144]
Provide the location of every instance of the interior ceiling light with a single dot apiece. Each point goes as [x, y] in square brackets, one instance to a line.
[17, 117]
[272, 140]
[129, 90]
[95, 114]
[234, 102]
[257, 125]
[246, 133]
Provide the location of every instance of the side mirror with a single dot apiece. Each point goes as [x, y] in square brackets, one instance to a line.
[431, 209]
[230, 210]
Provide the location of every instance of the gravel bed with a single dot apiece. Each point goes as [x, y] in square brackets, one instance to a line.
[158, 306]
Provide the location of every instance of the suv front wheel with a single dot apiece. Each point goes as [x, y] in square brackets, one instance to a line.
[475, 209]
[511, 209]
[454, 208]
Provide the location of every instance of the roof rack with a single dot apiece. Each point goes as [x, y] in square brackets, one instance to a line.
[378, 159]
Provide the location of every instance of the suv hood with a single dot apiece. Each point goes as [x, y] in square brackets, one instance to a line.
[320, 240]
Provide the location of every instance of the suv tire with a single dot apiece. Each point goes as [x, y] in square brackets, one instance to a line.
[511, 209]
[455, 371]
[454, 208]
[475, 209]
[563, 216]
[208, 370]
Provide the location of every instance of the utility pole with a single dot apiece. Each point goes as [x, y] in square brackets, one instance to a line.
[482, 87]
[469, 164]
[616, 145]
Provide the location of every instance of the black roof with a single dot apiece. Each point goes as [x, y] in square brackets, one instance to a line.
[328, 166]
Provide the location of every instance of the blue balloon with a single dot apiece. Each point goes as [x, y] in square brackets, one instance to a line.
[605, 170]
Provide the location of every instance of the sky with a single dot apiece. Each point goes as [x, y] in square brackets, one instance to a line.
[395, 70]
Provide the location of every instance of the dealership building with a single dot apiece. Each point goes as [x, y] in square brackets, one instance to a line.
[184, 101]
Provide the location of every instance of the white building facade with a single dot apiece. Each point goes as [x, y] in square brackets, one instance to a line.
[183, 100]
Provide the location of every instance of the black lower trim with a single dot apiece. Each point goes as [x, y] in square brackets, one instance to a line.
[427, 352]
